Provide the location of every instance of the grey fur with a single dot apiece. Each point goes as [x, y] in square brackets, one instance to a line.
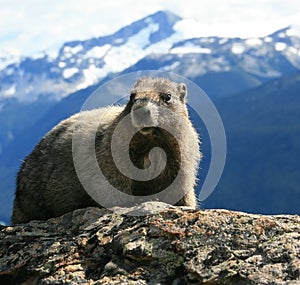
[47, 183]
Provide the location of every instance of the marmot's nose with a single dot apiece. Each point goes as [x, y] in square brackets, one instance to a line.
[142, 114]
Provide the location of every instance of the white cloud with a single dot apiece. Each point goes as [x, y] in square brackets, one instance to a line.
[27, 27]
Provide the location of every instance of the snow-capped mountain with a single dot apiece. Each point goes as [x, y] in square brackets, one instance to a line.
[280, 53]
[80, 64]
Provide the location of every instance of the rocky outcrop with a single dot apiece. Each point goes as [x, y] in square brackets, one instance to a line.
[172, 246]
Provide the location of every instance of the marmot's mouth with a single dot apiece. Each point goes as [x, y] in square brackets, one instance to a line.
[148, 130]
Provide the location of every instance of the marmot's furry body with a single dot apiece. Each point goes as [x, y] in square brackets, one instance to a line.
[48, 185]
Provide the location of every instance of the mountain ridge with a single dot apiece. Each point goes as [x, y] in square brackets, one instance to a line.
[82, 63]
[262, 127]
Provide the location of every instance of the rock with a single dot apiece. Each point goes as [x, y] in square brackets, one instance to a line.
[175, 245]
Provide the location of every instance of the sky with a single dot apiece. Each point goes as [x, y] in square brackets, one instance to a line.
[28, 27]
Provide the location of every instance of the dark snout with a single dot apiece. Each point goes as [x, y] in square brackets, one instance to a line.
[143, 113]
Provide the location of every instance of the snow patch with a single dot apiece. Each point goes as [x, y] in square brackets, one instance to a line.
[292, 50]
[252, 65]
[190, 48]
[148, 20]
[293, 32]
[98, 52]
[62, 64]
[91, 75]
[29, 89]
[223, 41]
[268, 40]
[237, 48]
[73, 50]
[142, 39]
[118, 41]
[208, 40]
[171, 67]
[119, 58]
[69, 72]
[282, 35]
[280, 46]
[10, 92]
[9, 71]
[253, 42]
[165, 45]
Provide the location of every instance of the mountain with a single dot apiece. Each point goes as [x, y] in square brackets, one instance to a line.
[36, 93]
[263, 135]
[79, 64]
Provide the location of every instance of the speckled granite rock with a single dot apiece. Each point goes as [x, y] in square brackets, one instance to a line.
[172, 246]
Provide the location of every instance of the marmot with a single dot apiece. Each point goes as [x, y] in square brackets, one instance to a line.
[48, 185]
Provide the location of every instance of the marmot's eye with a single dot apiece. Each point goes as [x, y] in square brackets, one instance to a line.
[167, 97]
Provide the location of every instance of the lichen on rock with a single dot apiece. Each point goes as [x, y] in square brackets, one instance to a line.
[175, 245]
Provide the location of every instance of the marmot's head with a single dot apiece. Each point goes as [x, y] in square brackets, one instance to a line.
[157, 101]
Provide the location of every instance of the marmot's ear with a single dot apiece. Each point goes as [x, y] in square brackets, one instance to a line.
[182, 91]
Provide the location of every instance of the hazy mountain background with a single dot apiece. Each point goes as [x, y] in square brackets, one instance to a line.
[253, 82]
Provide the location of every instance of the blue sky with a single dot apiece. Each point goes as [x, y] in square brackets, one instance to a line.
[30, 26]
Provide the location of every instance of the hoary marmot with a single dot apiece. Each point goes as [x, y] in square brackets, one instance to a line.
[49, 183]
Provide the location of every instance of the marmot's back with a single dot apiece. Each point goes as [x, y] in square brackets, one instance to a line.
[47, 183]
